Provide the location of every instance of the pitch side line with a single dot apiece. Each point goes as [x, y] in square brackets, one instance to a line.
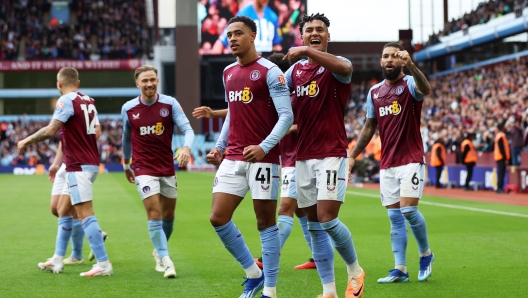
[447, 205]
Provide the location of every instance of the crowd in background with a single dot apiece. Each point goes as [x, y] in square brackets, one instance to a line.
[485, 12]
[98, 29]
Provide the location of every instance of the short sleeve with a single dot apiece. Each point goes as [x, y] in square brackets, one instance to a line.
[288, 76]
[371, 112]
[347, 79]
[63, 109]
[411, 84]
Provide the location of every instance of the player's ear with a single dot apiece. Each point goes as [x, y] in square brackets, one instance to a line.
[328, 36]
[253, 36]
[78, 84]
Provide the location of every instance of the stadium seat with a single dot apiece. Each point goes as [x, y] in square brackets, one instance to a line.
[511, 187]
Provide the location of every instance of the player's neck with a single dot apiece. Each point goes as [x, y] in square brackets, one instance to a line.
[390, 82]
[249, 57]
[148, 99]
[66, 90]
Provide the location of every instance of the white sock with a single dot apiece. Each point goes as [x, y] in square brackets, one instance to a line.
[56, 259]
[166, 260]
[330, 289]
[270, 292]
[104, 264]
[354, 269]
[402, 268]
[253, 271]
[425, 254]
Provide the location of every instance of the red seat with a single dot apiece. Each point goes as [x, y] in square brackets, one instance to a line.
[511, 187]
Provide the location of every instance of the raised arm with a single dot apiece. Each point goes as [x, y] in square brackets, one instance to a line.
[336, 65]
[422, 84]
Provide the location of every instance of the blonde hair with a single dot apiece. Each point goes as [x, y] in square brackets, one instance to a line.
[68, 76]
[144, 68]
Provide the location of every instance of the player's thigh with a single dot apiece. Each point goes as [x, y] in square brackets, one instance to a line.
[59, 183]
[153, 206]
[224, 205]
[305, 182]
[168, 187]
[411, 178]
[80, 186]
[331, 178]
[263, 180]
[389, 187]
[147, 186]
[289, 185]
[231, 178]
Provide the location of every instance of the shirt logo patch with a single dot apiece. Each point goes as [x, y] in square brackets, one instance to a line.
[311, 90]
[255, 75]
[146, 189]
[60, 105]
[376, 95]
[393, 109]
[229, 77]
[245, 96]
[399, 90]
[135, 117]
[320, 70]
[164, 112]
[157, 129]
[281, 79]
[299, 72]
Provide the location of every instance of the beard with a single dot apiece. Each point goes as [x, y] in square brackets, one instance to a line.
[393, 74]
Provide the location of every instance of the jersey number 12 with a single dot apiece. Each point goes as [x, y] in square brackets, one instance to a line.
[90, 125]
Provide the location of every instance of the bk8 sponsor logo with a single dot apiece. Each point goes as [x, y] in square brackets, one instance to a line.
[311, 90]
[245, 96]
[393, 109]
[157, 129]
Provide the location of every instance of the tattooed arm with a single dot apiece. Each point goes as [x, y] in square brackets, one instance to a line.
[41, 135]
[364, 137]
[422, 84]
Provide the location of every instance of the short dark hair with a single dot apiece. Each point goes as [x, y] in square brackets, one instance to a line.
[313, 17]
[247, 21]
[394, 45]
[278, 59]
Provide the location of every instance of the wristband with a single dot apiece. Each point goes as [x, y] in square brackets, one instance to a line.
[126, 166]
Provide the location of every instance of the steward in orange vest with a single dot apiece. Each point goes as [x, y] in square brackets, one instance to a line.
[501, 152]
[469, 157]
[438, 158]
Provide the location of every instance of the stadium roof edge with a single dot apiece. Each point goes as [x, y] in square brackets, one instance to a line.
[480, 64]
[496, 29]
[53, 92]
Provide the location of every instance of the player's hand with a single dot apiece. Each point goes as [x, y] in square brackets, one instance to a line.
[21, 145]
[183, 156]
[203, 112]
[130, 176]
[405, 56]
[253, 153]
[351, 163]
[52, 171]
[295, 53]
[214, 157]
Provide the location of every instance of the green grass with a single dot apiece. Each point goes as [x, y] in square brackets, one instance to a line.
[477, 254]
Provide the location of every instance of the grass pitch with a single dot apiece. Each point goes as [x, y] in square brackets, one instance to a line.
[478, 254]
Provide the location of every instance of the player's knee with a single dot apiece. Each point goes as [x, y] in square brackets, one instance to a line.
[287, 208]
[154, 215]
[264, 223]
[54, 211]
[299, 212]
[218, 220]
[168, 214]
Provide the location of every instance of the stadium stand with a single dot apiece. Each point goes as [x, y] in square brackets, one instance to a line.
[97, 30]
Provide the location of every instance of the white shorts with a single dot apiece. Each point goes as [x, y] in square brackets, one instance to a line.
[238, 177]
[60, 187]
[321, 179]
[80, 186]
[404, 181]
[289, 186]
[150, 185]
